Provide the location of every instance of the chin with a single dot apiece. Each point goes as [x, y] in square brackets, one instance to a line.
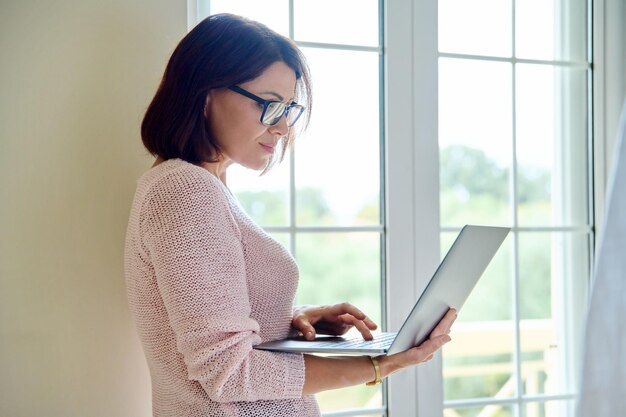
[257, 165]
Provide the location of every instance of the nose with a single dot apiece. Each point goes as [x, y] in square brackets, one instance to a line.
[280, 129]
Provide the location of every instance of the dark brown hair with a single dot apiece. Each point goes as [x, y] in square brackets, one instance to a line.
[221, 51]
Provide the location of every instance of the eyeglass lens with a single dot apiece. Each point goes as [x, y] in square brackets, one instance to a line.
[275, 110]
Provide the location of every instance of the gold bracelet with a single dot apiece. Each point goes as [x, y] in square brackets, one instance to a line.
[378, 379]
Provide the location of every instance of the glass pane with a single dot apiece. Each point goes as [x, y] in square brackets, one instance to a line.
[350, 22]
[345, 265]
[273, 13]
[551, 145]
[487, 410]
[478, 27]
[563, 408]
[338, 267]
[265, 198]
[553, 270]
[337, 158]
[534, 270]
[475, 141]
[360, 396]
[479, 360]
[552, 30]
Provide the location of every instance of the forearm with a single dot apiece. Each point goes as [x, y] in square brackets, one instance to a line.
[327, 373]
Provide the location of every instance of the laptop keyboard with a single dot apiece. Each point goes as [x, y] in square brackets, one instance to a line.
[382, 340]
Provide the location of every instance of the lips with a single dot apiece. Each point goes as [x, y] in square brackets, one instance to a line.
[267, 147]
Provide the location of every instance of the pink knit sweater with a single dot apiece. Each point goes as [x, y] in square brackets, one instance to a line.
[205, 284]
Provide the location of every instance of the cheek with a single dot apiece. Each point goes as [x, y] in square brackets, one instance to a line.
[239, 136]
[235, 126]
[226, 121]
[247, 125]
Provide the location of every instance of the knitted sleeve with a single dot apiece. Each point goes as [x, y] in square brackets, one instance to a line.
[194, 245]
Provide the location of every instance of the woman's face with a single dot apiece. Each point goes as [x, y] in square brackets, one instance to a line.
[235, 119]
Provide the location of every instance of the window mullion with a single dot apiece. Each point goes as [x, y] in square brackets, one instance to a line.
[517, 409]
[427, 188]
[412, 193]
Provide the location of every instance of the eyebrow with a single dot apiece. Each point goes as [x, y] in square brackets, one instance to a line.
[278, 96]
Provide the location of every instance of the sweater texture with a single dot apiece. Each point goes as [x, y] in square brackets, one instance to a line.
[205, 284]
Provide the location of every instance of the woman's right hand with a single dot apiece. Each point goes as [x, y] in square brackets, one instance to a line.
[422, 353]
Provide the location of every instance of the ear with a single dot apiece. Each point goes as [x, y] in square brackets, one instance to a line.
[206, 103]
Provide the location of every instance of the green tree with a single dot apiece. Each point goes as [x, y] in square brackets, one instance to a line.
[312, 207]
[468, 170]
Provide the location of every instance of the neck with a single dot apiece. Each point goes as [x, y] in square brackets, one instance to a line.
[217, 168]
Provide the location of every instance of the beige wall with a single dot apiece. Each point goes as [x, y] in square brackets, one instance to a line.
[75, 78]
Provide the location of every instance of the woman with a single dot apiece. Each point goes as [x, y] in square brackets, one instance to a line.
[205, 283]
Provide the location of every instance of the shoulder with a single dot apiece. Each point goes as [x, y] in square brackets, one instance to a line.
[176, 188]
[176, 174]
[176, 179]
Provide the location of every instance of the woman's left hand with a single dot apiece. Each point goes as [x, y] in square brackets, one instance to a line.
[334, 320]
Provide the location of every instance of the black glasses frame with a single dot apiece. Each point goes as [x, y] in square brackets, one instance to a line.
[267, 103]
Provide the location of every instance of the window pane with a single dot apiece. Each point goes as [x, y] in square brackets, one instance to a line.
[337, 158]
[479, 361]
[563, 408]
[478, 27]
[553, 272]
[487, 410]
[360, 396]
[553, 30]
[338, 267]
[265, 198]
[551, 145]
[475, 138]
[351, 22]
[534, 270]
[273, 13]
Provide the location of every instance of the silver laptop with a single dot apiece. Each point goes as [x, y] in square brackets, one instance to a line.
[448, 288]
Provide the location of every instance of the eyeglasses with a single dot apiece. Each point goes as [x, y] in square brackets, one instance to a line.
[273, 111]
